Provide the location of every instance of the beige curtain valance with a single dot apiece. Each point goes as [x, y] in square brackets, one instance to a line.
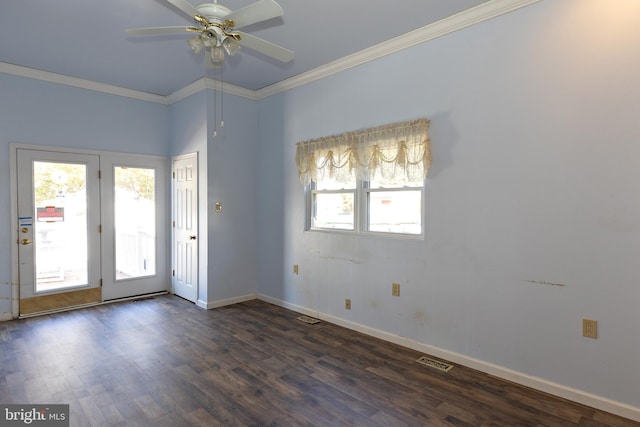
[390, 150]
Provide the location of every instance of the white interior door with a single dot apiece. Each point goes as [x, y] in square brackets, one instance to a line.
[185, 227]
[58, 199]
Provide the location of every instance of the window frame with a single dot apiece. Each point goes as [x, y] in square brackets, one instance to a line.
[366, 210]
[312, 206]
[362, 210]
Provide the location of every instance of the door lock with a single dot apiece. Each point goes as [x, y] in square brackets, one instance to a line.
[192, 237]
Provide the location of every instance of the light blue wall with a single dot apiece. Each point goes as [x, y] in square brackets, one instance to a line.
[227, 174]
[232, 179]
[533, 214]
[272, 170]
[189, 135]
[47, 114]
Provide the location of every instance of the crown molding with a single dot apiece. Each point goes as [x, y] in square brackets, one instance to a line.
[47, 76]
[209, 83]
[459, 21]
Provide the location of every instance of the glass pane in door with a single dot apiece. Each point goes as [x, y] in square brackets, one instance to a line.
[135, 222]
[60, 226]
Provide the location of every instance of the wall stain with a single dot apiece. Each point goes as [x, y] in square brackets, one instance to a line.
[353, 261]
[539, 282]
[419, 317]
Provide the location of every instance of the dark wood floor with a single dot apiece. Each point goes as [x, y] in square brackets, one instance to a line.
[163, 361]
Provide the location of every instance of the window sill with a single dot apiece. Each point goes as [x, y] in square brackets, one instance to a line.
[378, 234]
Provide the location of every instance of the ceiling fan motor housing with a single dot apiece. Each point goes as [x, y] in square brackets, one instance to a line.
[213, 12]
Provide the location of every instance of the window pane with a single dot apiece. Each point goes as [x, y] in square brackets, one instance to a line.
[61, 225]
[342, 181]
[396, 181]
[395, 211]
[333, 210]
[135, 222]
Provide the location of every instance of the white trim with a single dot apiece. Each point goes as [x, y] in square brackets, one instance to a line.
[225, 302]
[13, 215]
[459, 21]
[5, 316]
[47, 76]
[575, 395]
[209, 83]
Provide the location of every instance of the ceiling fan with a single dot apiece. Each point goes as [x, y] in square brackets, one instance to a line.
[216, 28]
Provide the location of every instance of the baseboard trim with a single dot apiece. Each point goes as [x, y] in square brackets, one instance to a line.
[575, 395]
[5, 316]
[225, 302]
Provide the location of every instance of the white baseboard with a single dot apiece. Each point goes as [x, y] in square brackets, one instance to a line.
[537, 383]
[223, 302]
[5, 316]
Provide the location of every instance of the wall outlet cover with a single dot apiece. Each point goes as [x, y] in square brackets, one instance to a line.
[590, 328]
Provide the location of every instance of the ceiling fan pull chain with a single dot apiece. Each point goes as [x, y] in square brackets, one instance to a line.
[215, 109]
[221, 97]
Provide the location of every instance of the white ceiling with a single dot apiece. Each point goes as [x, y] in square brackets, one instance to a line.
[85, 38]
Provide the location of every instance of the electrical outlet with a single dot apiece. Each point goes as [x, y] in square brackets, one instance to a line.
[589, 328]
[395, 289]
[295, 269]
[347, 304]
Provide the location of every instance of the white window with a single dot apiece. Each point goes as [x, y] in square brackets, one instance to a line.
[333, 204]
[369, 181]
[394, 206]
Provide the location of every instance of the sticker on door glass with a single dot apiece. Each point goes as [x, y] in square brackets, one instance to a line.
[50, 214]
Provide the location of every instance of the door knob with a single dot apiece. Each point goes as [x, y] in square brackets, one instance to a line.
[192, 237]
[26, 242]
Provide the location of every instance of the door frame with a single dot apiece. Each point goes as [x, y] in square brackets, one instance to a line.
[13, 206]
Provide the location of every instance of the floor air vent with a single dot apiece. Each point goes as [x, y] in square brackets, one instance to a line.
[437, 364]
[309, 320]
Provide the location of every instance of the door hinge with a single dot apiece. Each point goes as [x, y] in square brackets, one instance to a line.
[100, 282]
[174, 224]
[174, 175]
[173, 273]
[99, 174]
[100, 228]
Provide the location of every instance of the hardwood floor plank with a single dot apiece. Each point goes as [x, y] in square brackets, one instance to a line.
[164, 361]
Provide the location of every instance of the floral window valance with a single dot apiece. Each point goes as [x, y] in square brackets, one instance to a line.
[395, 150]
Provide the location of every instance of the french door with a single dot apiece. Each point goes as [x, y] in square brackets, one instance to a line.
[91, 227]
[59, 230]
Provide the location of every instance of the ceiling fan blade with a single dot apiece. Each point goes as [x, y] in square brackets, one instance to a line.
[159, 30]
[184, 6]
[265, 47]
[256, 12]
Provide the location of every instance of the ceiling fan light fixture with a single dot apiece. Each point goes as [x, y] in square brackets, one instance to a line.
[231, 46]
[196, 43]
[217, 55]
[209, 39]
